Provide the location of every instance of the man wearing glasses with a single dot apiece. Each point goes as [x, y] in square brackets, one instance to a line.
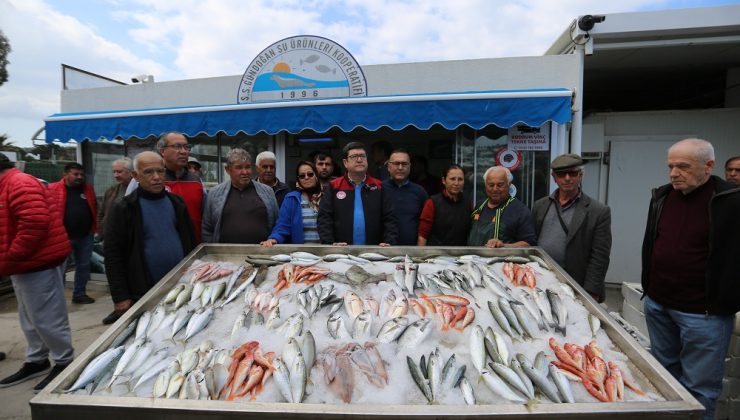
[356, 209]
[408, 198]
[175, 150]
[573, 228]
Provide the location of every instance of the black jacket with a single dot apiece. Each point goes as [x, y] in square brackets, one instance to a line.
[722, 284]
[336, 213]
[125, 264]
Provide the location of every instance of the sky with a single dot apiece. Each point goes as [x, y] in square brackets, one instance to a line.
[184, 39]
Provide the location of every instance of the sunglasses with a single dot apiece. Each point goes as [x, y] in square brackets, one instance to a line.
[306, 175]
[573, 173]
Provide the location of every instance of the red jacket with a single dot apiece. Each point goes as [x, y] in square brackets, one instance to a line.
[60, 193]
[32, 238]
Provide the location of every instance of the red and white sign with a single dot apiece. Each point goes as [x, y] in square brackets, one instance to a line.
[523, 137]
[509, 159]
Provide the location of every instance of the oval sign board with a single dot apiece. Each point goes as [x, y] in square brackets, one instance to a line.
[509, 159]
[299, 68]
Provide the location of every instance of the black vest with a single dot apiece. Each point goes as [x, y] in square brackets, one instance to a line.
[451, 222]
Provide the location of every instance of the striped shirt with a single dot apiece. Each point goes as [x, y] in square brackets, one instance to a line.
[310, 228]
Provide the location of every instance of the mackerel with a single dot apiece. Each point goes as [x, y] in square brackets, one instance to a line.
[153, 371]
[559, 310]
[124, 335]
[477, 348]
[517, 368]
[181, 320]
[143, 324]
[240, 289]
[534, 310]
[500, 318]
[541, 381]
[434, 374]
[512, 379]
[139, 358]
[492, 351]
[505, 306]
[198, 321]
[540, 298]
[125, 359]
[522, 315]
[541, 363]
[418, 377]
[232, 279]
[561, 383]
[98, 365]
[499, 387]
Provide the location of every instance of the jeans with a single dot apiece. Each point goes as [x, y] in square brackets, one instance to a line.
[82, 252]
[692, 347]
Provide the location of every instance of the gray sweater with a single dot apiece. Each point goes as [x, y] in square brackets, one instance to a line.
[215, 206]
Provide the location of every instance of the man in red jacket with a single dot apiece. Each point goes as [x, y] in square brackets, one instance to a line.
[78, 209]
[33, 247]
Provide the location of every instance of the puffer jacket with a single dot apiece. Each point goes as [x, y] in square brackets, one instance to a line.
[60, 193]
[31, 238]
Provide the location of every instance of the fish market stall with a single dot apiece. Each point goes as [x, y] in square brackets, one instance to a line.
[320, 331]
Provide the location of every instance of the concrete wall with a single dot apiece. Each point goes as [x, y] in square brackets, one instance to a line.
[637, 144]
[386, 79]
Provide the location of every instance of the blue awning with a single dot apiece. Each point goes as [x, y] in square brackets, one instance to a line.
[450, 110]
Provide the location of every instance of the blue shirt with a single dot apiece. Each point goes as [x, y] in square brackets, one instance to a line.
[162, 247]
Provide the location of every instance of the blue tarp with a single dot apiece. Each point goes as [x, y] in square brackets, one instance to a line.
[450, 110]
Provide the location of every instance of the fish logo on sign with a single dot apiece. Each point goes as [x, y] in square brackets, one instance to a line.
[300, 68]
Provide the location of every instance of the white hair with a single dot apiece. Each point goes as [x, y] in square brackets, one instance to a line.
[264, 155]
[701, 150]
[492, 169]
[138, 157]
[126, 162]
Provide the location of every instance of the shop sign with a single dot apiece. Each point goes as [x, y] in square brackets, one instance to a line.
[523, 137]
[299, 68]
[508, 158]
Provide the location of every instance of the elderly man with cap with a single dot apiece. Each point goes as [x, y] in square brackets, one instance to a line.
[194, 167]
[573, 228]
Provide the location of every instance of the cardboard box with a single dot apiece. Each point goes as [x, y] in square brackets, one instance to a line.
[632, 292]
[635, 317]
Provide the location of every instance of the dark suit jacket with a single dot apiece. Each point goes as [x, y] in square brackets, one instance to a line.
[589, 241]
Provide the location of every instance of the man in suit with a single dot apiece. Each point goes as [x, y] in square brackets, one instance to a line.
[573, 228]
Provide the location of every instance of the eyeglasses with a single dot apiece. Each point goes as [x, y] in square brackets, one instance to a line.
[179, 147]
[357, 157]
[572, 173]
[306, 175]
[400, 164]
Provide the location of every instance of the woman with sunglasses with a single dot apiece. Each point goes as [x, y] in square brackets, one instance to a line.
[296, 222]
[445, 218]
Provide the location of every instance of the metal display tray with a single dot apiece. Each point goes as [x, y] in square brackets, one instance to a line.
[53, 404]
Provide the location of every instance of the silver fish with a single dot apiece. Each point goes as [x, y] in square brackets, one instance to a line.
[415, 333]
[216, 292]
[559, 311]
[304, 255]
[467, 391]
[522, 315]
[184, 296]
[240, 289]
[567, 290]
[298, 379]
[434, 375]
[358, 259]
[392, 329]
[534, 310]
[181, 320]
[334, 257]
[293, 326]
[127, 356]
[362, 324]
[335, 325]
[284, 258]
[161, 384]
[594, 323]
[239, 323]
[198, 321]
[501, 346]
[173, 387]
[124, 335]
[561, 383]
[273, 318]
[291, 349]
[98, 365]
[282, 378]
[153, 371]
[505, 306]
[232, 279]
[157, 317]
[198, 289]
[500, 318]
[540, 261]
[410, 278]
[419, 379]
[541, 381]
[143, 324]
[205, 297]
[172, 294]
[492, 351]
[499, 387]
[517, 368]
[308, 348]
[373, 256]
[477, 348]
[512, 379]
[541, 363]
[540, 298]
[142, 355]
[399, 276]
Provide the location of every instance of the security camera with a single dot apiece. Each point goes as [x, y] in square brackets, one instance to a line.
[587, 22]
[143, 78]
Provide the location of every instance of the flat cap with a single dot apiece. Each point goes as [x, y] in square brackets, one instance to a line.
[566, 162]
[192, 159]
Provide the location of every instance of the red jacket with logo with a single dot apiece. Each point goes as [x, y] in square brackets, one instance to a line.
[32, 236]
[60, 193]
